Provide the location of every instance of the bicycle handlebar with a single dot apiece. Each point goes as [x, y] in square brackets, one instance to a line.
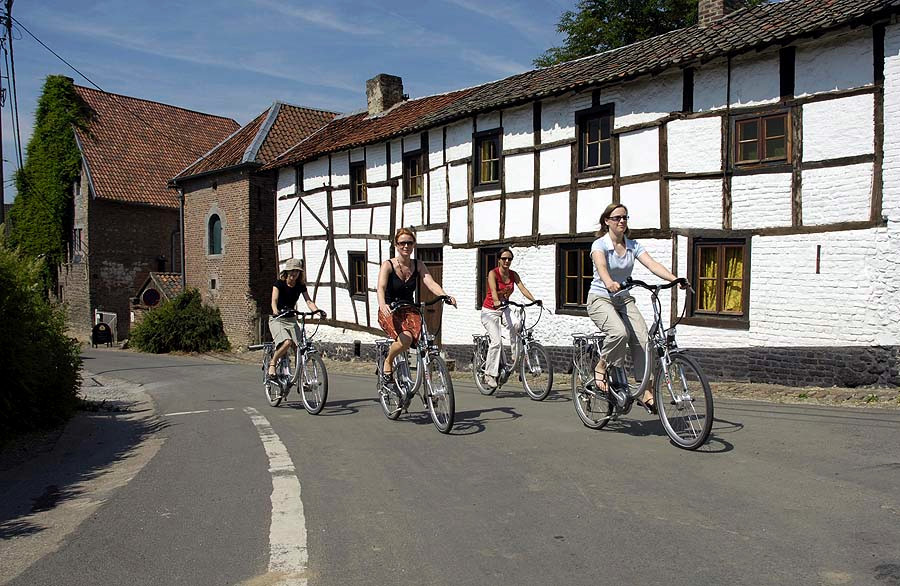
[522, 305]
[629, 283]
[395, 305]
[290, 312]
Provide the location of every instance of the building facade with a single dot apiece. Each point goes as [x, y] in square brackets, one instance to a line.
[758, 154]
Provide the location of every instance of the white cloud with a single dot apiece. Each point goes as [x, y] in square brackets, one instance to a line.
[508, 14]
[318, 17]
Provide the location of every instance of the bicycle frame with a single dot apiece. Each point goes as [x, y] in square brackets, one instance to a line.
[425, 349]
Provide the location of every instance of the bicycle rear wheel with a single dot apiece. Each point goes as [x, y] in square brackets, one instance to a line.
[314, 386]
[536, 371]
[685, 403]
[478, 360]
[439, 394]
[592, 408]
[271, 386]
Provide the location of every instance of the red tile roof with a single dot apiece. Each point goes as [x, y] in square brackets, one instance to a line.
[133, 146]
[740, 31]
[271, 133]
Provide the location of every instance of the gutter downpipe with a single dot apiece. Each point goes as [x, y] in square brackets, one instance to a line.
[181, 229]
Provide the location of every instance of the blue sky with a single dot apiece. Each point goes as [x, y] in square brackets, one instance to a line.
[233, 58]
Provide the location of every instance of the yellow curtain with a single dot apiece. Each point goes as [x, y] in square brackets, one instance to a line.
[734, 279]
[708, 272]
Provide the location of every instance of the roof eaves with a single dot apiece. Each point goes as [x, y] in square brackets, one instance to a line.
[174, 182]
[84, 161]
[252, 150]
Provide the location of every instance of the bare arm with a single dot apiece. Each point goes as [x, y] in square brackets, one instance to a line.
[383, 273]
[492, 288]
[274, 300]
[524, 290]
[600, 263]
[309, 302]
[431, 284]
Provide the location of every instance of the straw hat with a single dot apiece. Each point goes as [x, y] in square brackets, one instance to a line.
[293, 264]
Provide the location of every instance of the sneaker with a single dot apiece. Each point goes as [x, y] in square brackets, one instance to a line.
[490, 381]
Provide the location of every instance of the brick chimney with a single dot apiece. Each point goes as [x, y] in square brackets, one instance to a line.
[709, 11]
[382, 92]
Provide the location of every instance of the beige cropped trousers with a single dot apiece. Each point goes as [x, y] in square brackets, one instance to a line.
[623, 325]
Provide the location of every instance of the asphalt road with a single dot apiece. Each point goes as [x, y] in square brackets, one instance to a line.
[519, 493]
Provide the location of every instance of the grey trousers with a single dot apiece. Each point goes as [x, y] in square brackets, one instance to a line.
[623, 325]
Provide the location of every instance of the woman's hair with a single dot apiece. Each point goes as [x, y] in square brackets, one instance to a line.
[605, 216]
[400, 232]
[502, 250]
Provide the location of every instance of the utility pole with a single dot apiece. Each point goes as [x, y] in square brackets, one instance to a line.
[8, 35]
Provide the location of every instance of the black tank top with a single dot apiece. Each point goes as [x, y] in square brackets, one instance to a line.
[399, 290]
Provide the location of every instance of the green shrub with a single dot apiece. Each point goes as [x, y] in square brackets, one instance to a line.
[181, 324]
[39, 365]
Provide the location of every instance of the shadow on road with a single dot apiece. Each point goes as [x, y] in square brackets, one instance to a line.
[336, 408]
[472, 422]
[555, 396]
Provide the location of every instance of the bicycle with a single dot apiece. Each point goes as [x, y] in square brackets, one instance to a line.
[437, 398]
[535, 368]
[681, 393]
[311, 370]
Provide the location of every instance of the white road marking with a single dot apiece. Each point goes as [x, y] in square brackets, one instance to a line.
[288, 554]
[196, 412]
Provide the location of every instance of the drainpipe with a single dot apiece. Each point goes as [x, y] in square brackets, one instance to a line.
[181, 228]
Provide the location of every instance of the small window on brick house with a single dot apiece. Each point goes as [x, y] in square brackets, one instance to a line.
[214, 234]
[720, 273]
[575, 273]
[413, 175]
[487, 159]
[358, 182]
[76, 239]
[358, 274]
[487, 261]
[595, 138]
[761, 139]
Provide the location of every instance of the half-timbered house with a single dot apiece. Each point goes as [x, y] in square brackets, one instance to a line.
[758, 153]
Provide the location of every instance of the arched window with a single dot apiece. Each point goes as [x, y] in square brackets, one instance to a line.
[214, 237]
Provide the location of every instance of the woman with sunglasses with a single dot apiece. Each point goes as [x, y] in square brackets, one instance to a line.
[398, 280]
[613, 309]
[500, 283]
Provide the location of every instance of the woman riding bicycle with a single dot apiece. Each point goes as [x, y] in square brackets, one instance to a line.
[285, 293]
[501, 282]
[398, 279]
[613, 310]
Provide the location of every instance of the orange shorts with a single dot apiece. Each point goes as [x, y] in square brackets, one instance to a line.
[402, 320]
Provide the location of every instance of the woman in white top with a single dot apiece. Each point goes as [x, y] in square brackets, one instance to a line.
[613, 309]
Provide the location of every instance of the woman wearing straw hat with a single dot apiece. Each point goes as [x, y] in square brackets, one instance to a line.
[285, 293]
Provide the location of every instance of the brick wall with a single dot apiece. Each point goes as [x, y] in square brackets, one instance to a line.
[245, 271]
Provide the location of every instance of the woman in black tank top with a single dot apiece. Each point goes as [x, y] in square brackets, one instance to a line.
[398, 280]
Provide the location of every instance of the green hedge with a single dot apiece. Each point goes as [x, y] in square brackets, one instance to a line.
[39, 365]
[182, 324]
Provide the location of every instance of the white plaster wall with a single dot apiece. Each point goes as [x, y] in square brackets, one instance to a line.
[837, 194]
[322, 297]
[645, 100]
[835, 62]
[315, 252]
[517, 127]
[360, 220]
[642, 201]
[556, 166]
[518, 217]
[639, 152]
[435, 147]
[430, 237]
[710, 86]
[591, 203]
[557, 119]
[412, 142]
[340, 168]
[519, 172]
[336, 335]
[459, 226]
[755, 79]
[459, 324]
[487, 220]
[459, 140]
[357, 155]
[318, 204]
[376, 163]
[378, 195]
[288, 220]
[488, 121]
[412, 214]
[483, 193]
[695, 203]
[838, 128]
[340, 197]
[891, 166]
[554, 213]
[396, 159]
[761, 201]
[438, 194]
[341, 220]
[459, 182]
[382, 220]
[315, 174]
[695, 146]
[287, 181]
[343, 246]
[285, 251]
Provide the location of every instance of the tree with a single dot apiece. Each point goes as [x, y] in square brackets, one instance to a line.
[40, 211]
[600, 25]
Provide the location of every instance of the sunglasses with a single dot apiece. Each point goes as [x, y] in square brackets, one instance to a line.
[406, 243]
[618, 218]
[506, 258]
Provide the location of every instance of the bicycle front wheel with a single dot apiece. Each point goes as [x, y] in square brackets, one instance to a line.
[685, 403]
[314, 386]
[439, 394]
[592, 407]
[536, 371]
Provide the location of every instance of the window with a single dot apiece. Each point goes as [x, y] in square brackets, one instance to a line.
[76, 239]
[214, 235]
[413, 175]
[487, 261]
[576, 271]
[595, 139]
[761, 139]
[720, 273]
[487, 159]
[358, 182]
[358, 274]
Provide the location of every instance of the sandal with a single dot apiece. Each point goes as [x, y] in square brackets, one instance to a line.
[271, 373]
[601, 383]
[649, 405]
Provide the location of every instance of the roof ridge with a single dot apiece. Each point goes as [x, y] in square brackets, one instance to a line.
[252, 150]
[157, 103]
[283, 103]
